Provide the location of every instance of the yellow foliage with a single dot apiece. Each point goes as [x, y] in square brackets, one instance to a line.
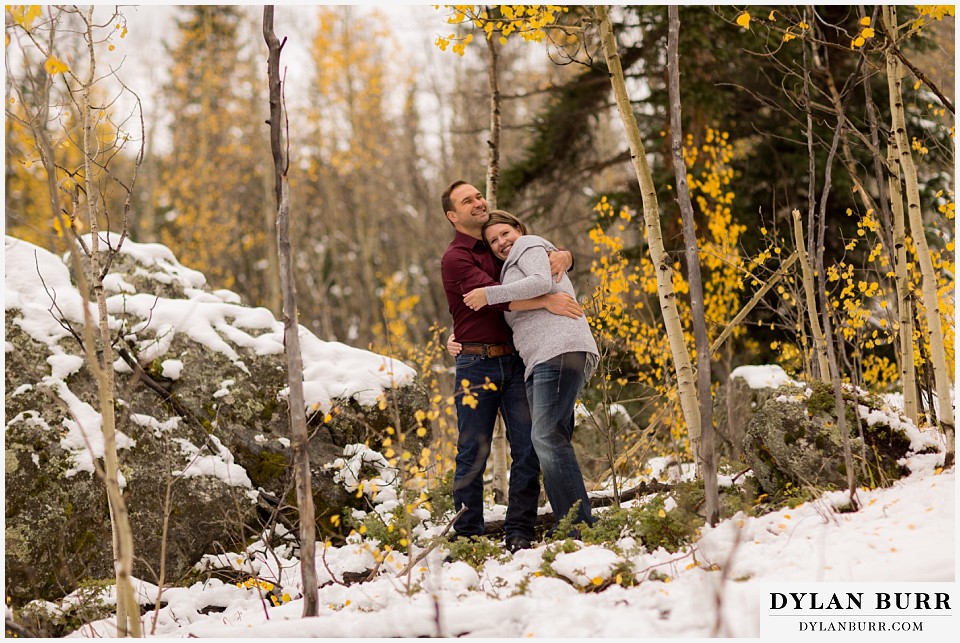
[28, 200]
[865, 302]
[54, 66]
[530, 21]
[624, 310]
[394, 337]
[936, 11]
[24, 15]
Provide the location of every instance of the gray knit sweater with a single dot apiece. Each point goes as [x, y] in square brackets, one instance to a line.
[539, 335]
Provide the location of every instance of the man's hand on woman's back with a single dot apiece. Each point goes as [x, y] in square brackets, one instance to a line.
[563, 304]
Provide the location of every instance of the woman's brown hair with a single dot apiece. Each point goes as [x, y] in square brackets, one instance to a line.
[502, 216]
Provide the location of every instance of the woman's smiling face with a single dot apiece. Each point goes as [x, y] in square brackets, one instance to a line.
[501, 237]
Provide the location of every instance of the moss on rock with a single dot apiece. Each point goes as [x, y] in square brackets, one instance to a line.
[794, 441]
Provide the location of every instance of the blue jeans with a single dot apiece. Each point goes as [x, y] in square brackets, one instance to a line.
[475, 427]
[552, 390]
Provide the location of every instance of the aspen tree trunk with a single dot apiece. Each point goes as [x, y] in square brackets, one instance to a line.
[707, 455]
[840, 405]
[128, 611]
[499, 444]
[892, 218]
[908, 370]
[291, 330]
[827, 362]
[686, 383]
[810, 297]
[493, 162]
[819, 357]
[931, 303]
[273, 295]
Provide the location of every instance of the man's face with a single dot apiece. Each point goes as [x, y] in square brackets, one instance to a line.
[469, 209]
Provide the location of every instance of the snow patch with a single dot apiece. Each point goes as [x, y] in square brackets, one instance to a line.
[764, 376]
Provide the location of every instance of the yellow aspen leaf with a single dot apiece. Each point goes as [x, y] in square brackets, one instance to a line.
[744, 20]
[868, 32]
[662, 513]
[55, 66]
[865, 21]
[596, 580]
[24, 15]
[937, 11]
[857, 42]
[787, 37]
[772, 17]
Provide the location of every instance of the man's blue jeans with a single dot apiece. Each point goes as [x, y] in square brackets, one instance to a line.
[475, 424]
[552, 390]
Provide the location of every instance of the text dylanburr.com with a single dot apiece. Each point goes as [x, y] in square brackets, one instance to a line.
[852, 610]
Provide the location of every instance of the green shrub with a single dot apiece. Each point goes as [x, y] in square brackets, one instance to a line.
[476, 551]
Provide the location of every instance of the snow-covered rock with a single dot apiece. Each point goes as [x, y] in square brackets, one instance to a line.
[201, 403]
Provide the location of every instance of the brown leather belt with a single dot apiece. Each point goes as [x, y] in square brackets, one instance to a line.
[487, 350]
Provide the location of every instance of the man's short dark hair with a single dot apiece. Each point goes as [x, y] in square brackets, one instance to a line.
[445, 201]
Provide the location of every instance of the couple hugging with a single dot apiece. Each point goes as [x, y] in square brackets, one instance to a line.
[518, 328]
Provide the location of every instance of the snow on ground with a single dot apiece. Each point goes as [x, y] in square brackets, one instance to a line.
[902, 533]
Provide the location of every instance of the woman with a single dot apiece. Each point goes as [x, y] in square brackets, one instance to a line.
[559, 355]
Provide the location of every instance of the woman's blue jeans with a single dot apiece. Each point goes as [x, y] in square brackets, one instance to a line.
[475, 433]
[552, 391]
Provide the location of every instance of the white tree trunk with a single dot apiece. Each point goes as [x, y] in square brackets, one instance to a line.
[499, 446]
[291, 332]
[931, 303]
[706, 455]
[128, 612]
[686, 381]
[908, 370]
[810, 297]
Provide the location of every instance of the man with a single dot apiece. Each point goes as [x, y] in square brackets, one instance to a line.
[489, 375]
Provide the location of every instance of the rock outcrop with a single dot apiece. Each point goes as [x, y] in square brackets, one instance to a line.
[202, 418]
[746, 390]
[793, 440]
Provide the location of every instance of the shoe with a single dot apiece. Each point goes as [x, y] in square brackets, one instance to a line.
[516, 543]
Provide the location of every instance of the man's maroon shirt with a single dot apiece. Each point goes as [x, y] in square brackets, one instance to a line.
[467, 264]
